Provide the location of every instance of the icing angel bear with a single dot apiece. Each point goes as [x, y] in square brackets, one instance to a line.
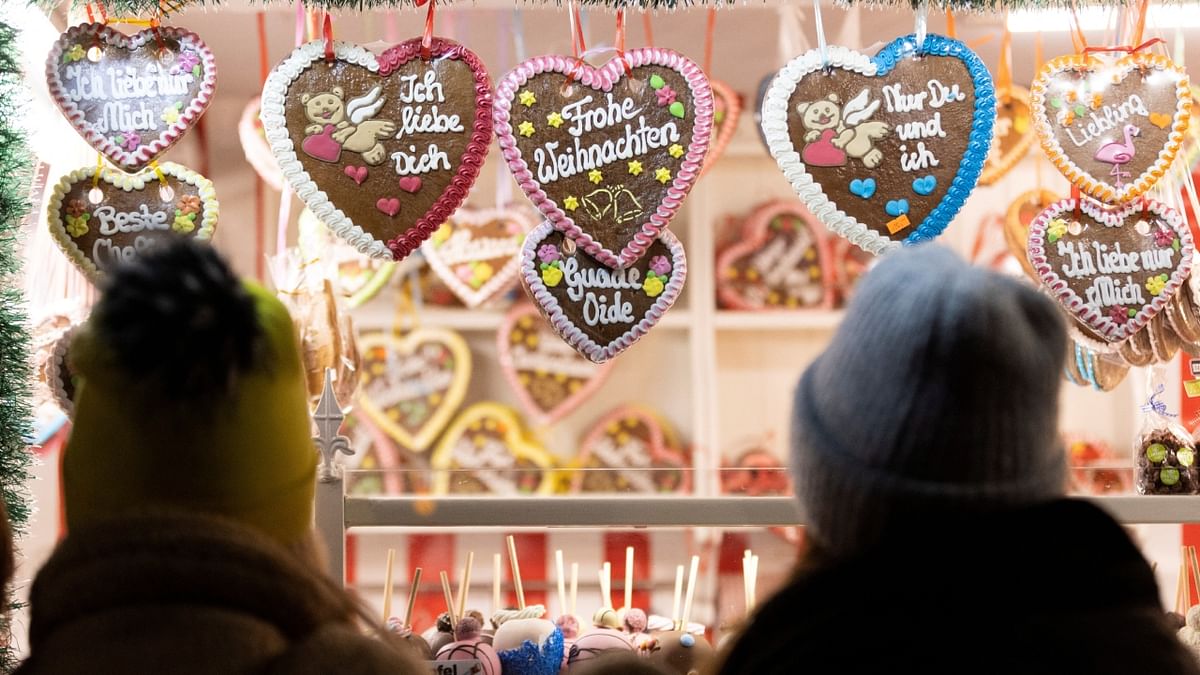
[833, 133]
[338, 126]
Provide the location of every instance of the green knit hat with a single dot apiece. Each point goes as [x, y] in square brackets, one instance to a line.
[192, 397]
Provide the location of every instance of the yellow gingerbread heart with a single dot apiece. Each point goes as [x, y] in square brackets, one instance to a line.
[487, 450]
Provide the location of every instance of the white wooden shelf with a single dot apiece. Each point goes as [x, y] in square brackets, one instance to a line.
[802, 320]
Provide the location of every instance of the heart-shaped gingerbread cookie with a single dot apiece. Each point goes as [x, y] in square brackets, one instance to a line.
[1113, 268]
[606, 154]
[600, 311]
[58, 374]
[354, 276]
[381, 148]
[102, 222]
[882, 150]
[630, 450]
[131, 97]
[1111, 127]
[1017, 217]
[1012, 135]
[476, 252]
[780, 261]
[254, 145]
[549, 378]
[487, 450]
[412, 385]
[727, 110]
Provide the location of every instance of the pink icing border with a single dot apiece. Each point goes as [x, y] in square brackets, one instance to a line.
[659, 452]
[257, 150]
[755, 235]
[603, 78]
[562, 324]
[503, 279]
[131, 161]
[1057, 286]
[733, 114]
[504, 350]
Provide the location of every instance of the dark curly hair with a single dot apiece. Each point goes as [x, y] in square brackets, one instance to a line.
[179, 319]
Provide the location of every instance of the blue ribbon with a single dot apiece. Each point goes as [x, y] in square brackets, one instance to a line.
[1155, 405]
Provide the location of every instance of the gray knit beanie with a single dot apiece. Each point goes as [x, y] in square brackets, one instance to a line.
[937, 397]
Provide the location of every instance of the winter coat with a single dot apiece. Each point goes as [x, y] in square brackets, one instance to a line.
[1051, 589]
[186, 594]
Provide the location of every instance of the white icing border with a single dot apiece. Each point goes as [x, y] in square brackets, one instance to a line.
[255, 147]
[503, 279]
[54, 373]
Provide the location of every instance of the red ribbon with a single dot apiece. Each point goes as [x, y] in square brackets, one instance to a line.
[264, 63]
[427, 36]
[577, 44]
[327, 30]
[620, 41]
[1124, 49]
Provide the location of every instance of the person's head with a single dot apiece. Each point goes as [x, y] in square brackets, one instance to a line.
[938, 397]
[192, 398]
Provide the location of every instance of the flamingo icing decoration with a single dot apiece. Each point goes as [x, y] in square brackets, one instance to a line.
[1119, 154]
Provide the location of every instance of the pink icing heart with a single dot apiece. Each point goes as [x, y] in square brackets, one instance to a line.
[322, 146]
[389, 206]
[410, 184]
[358, 173]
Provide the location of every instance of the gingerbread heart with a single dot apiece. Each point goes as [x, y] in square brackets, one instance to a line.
[131, 97]
[254, 145]
[1112, 128]
[606, 154]
[476, 252]
[1114, 268]
[381, 148]
[412, 385]
[1017, 217]
[628, 451]
[59, 376]
[355, 276]
[882, 150]
[549, 378]
[600, 311]
[101, 223]
[780, 261]
[727, 110]
[487, 450]
[1012, 135]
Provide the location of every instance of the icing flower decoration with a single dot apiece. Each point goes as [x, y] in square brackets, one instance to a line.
[187, 61]
[551, 274]
[170, 114]
[75, 53]
[666, 95]
[77, 225]
[1057, 230]
[660, 265]
[130, 141]
[482, 272]
[676, 151]
[1118, 314]
[1155, 285]
[653, 285]
[571, 203]
[464, 273]
[548, 253]
[76, 207]
[1163, 237]
[184, 222]
[662, 174]
[189, 204]
[441, 234]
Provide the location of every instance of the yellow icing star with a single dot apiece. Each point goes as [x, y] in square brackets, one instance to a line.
[635, 167]
[662, 175]
[570, 203]
[676, 151]
[554, 119]
[526, 128]
[595, 176]
[527, 98]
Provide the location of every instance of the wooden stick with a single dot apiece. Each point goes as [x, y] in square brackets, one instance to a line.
[678, 595]
[387, 586]
[753, 582]
[1179, 588]
[516, 571]
[560, 572]
[691, 593]
[1195, 567]
[628, 578]
[464, 584]
[746, 562]
[606, 585]
[574, 587]
[412, 596]
[497, 577]
[449, 600]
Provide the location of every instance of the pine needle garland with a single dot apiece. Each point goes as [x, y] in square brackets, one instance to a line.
[15, 370]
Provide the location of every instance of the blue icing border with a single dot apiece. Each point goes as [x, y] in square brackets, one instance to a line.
[983, 121]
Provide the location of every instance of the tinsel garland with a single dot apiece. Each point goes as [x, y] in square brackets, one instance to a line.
[15, 371]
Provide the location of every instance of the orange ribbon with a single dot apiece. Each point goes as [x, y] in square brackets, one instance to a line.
[950, 32]
[1125, 49]
[647, 29]
[1003, 69]
[708, 39]
[264, 64]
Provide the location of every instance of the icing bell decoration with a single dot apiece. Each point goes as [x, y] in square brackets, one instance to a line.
[488, 450]
[606, 154]
[883, 150]
[382, 148]
[549, 378]
[131, 97]
[412, 385]
[1111, 127]
[1112, 268]
[101, 217]
[600, 311]
[780, 261]
[476, 252]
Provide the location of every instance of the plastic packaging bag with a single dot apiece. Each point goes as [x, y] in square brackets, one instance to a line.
[1164, 454]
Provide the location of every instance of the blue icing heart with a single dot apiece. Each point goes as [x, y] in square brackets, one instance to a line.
[897, 207]
[925, 185]
[864, 188]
